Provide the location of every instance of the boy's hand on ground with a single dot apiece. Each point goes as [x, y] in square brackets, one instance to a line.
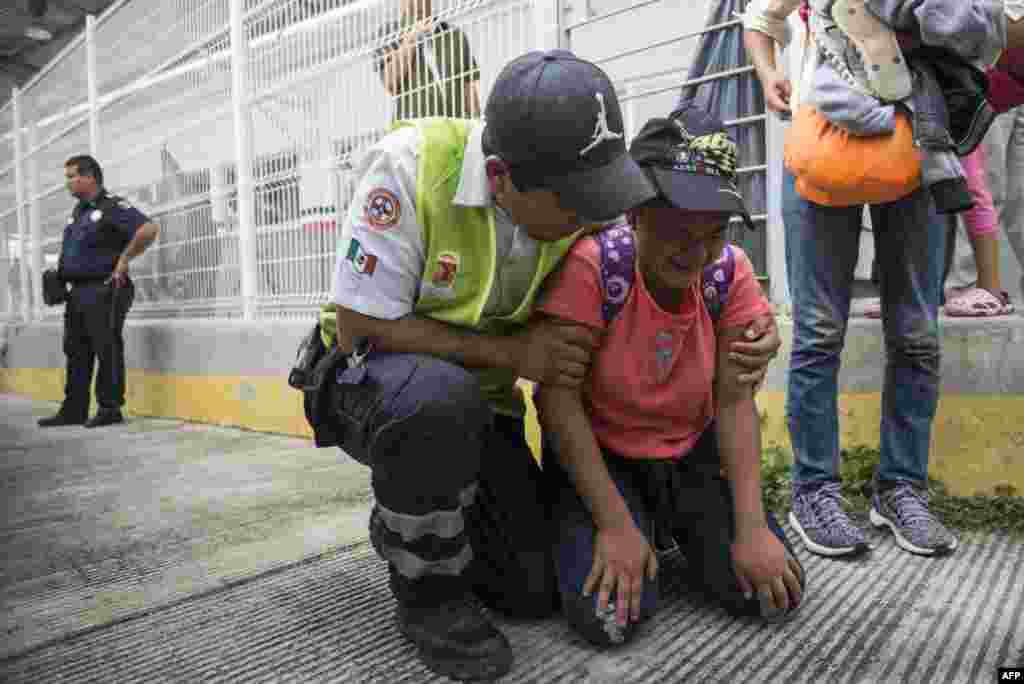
[622, 556]
[762, 565]
[760, 346]
[553, 352]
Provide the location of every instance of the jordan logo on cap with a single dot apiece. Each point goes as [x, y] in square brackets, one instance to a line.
[601, 130]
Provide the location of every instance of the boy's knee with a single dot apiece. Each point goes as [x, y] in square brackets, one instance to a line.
[726, 592]
[601, 629]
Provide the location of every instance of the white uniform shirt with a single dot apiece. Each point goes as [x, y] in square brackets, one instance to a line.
[381, 253]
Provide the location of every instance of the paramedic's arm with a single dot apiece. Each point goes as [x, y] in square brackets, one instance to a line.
[544, 351]
[622, 555]
[761, 50]
[758, 556]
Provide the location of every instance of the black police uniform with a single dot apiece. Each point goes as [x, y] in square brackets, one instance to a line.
[96, 235]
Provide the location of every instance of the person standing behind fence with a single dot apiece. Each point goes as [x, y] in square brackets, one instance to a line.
[103, 234]
[429, 70]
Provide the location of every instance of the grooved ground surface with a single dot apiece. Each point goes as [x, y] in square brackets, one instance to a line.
[160, 551]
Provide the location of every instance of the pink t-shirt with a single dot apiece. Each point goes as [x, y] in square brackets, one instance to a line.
[649, 391]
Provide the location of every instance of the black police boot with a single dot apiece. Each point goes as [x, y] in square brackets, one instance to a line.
[105, 417]
[452, 635]
[64, 416]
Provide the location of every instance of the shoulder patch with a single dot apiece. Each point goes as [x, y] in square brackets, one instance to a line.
[382, 209]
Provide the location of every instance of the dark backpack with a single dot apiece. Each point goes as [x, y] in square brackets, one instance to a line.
[618, 268]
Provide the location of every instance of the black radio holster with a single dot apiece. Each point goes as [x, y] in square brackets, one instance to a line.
[55, 289]
[313, 374]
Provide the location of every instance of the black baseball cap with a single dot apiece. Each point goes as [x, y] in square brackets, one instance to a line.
[692, 161]
[555, 120]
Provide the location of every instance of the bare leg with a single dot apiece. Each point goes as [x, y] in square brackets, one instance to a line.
[986, 256]
[1015, 35]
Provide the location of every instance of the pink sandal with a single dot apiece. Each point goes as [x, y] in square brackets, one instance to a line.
[977, 303]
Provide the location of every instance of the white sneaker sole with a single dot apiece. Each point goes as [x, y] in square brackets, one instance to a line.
[831, 552]
[883, 59]
[879, 520]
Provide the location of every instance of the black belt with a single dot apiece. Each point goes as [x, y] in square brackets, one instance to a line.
[87, 281]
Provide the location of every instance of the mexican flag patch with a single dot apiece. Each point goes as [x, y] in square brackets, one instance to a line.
[361, 260]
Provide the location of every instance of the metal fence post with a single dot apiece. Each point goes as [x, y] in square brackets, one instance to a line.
[19, 199]
[548, 24]
[93, 86]
[775, 131]
[240, 102]
[34, 224]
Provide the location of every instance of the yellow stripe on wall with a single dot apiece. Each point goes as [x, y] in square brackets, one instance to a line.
[977, 439]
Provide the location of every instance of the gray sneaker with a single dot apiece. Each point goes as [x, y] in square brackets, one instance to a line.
[821, 522]
[903, 508]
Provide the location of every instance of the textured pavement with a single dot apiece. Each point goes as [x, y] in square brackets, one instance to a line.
[162, 551]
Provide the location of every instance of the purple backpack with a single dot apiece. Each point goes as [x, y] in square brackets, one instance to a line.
[618, 266]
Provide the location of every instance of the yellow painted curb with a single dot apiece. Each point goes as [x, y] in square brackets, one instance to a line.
[977, 440]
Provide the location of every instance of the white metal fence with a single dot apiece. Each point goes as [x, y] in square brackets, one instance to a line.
[235, 125]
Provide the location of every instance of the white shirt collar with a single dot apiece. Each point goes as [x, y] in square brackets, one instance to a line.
[474, 191]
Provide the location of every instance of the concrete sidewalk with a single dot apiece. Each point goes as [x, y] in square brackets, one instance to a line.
[163, 551]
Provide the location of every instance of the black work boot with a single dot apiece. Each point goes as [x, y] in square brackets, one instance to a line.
[64, 416]
[105, 417]
[452, 635]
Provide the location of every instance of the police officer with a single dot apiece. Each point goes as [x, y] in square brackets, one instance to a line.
[103, 235]
[452, 230]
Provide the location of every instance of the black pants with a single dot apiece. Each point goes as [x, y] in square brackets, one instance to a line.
[457, 490]
[689, 497]
[94, 327]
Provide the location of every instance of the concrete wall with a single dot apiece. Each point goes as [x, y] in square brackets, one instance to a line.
[235, 374]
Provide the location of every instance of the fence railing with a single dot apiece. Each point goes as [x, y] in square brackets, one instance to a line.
[237, 126]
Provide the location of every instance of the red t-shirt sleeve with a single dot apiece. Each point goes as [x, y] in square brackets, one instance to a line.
[746, 298]
[574, 292]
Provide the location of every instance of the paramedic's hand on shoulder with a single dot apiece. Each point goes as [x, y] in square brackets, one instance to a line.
[763, 568]
[553, 352]
[760, 345]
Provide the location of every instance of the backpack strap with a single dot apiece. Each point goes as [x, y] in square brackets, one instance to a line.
[716, 280]
[618, 268]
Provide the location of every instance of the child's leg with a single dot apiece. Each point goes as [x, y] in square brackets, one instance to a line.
[986, 255]
[1014, 24]
[704, 528]
[574, 554]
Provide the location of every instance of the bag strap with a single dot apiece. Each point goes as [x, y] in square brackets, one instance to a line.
[618, 269]
[618, 266]
[715, 283]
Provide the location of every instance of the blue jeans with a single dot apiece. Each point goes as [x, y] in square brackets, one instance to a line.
[821, 255]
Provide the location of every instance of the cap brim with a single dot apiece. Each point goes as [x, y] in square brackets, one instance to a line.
[699, 192]
[605, 192]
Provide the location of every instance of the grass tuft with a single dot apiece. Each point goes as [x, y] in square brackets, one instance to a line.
[997, 513]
